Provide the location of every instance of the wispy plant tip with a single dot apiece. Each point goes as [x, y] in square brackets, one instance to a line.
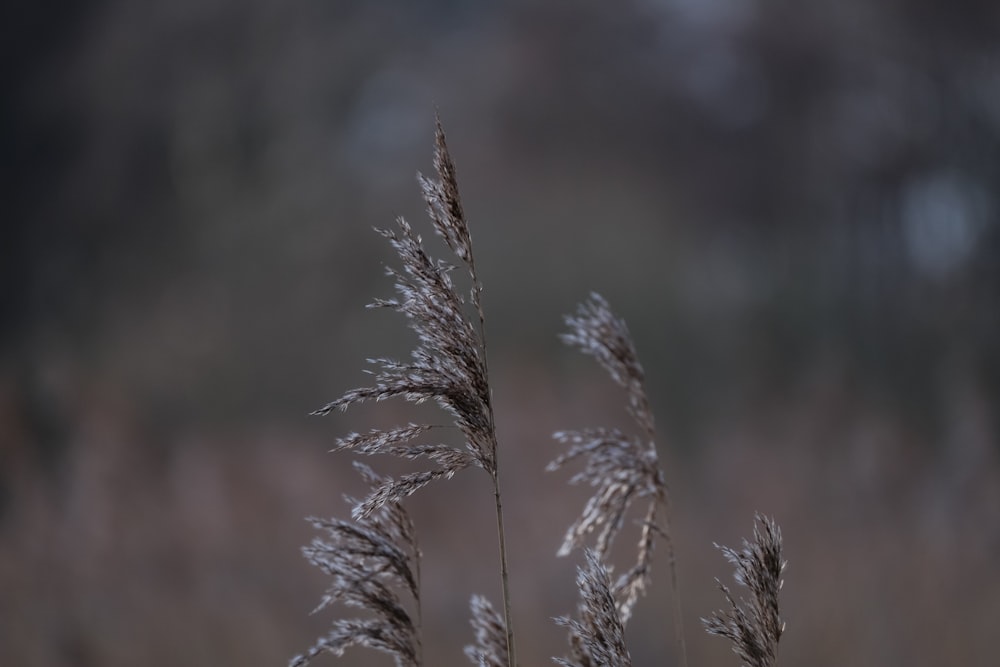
[370, 560]
[620, 468]
[490, 649]
[448, 367]
[597, 636]
[754, 626]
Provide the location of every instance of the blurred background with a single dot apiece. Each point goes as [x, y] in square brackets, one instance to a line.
[794, 206]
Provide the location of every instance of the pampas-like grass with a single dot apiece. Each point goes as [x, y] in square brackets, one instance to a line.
[490, 649]
[370, 560]
[620, 468]
[597, 637]
[448, 366]
[754, 626]
[373, 559]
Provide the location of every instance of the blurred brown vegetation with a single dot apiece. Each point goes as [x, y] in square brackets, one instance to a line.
[793, 205]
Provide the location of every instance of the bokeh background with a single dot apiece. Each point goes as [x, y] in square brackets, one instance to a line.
[794, 205]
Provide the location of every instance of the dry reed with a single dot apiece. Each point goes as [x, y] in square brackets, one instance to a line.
[753, 626]
[621, 468]
[373, 560]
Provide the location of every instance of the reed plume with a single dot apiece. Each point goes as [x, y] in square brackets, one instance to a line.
[448, 365]
[753, 626]
[370, 559]
[373, 559]
[622, 469]
[490, 649]
[597, 636]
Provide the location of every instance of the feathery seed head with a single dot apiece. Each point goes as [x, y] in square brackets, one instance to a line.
[369, 560]
[620, 468]
[448, 365]
[490, 649]
[597, 636]
[754, 626]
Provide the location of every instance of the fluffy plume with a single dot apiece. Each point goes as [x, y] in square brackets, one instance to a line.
[448, 365]
[490, 649]
[620, 468]
[371, 560]
[444, 205]
[597, 637]
[755, 626]
[597, 331]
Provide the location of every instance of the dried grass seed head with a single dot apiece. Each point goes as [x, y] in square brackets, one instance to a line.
[753, 626]
[596, 330]
[448, 365]
[597, 635]
[620, 468]
[490, 649]
[370, 560]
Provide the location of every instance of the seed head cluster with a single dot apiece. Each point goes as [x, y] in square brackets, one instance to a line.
[754, 626]
[373, 560]
[621, 468]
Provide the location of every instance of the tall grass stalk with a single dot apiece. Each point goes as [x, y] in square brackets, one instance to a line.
[374, 560]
